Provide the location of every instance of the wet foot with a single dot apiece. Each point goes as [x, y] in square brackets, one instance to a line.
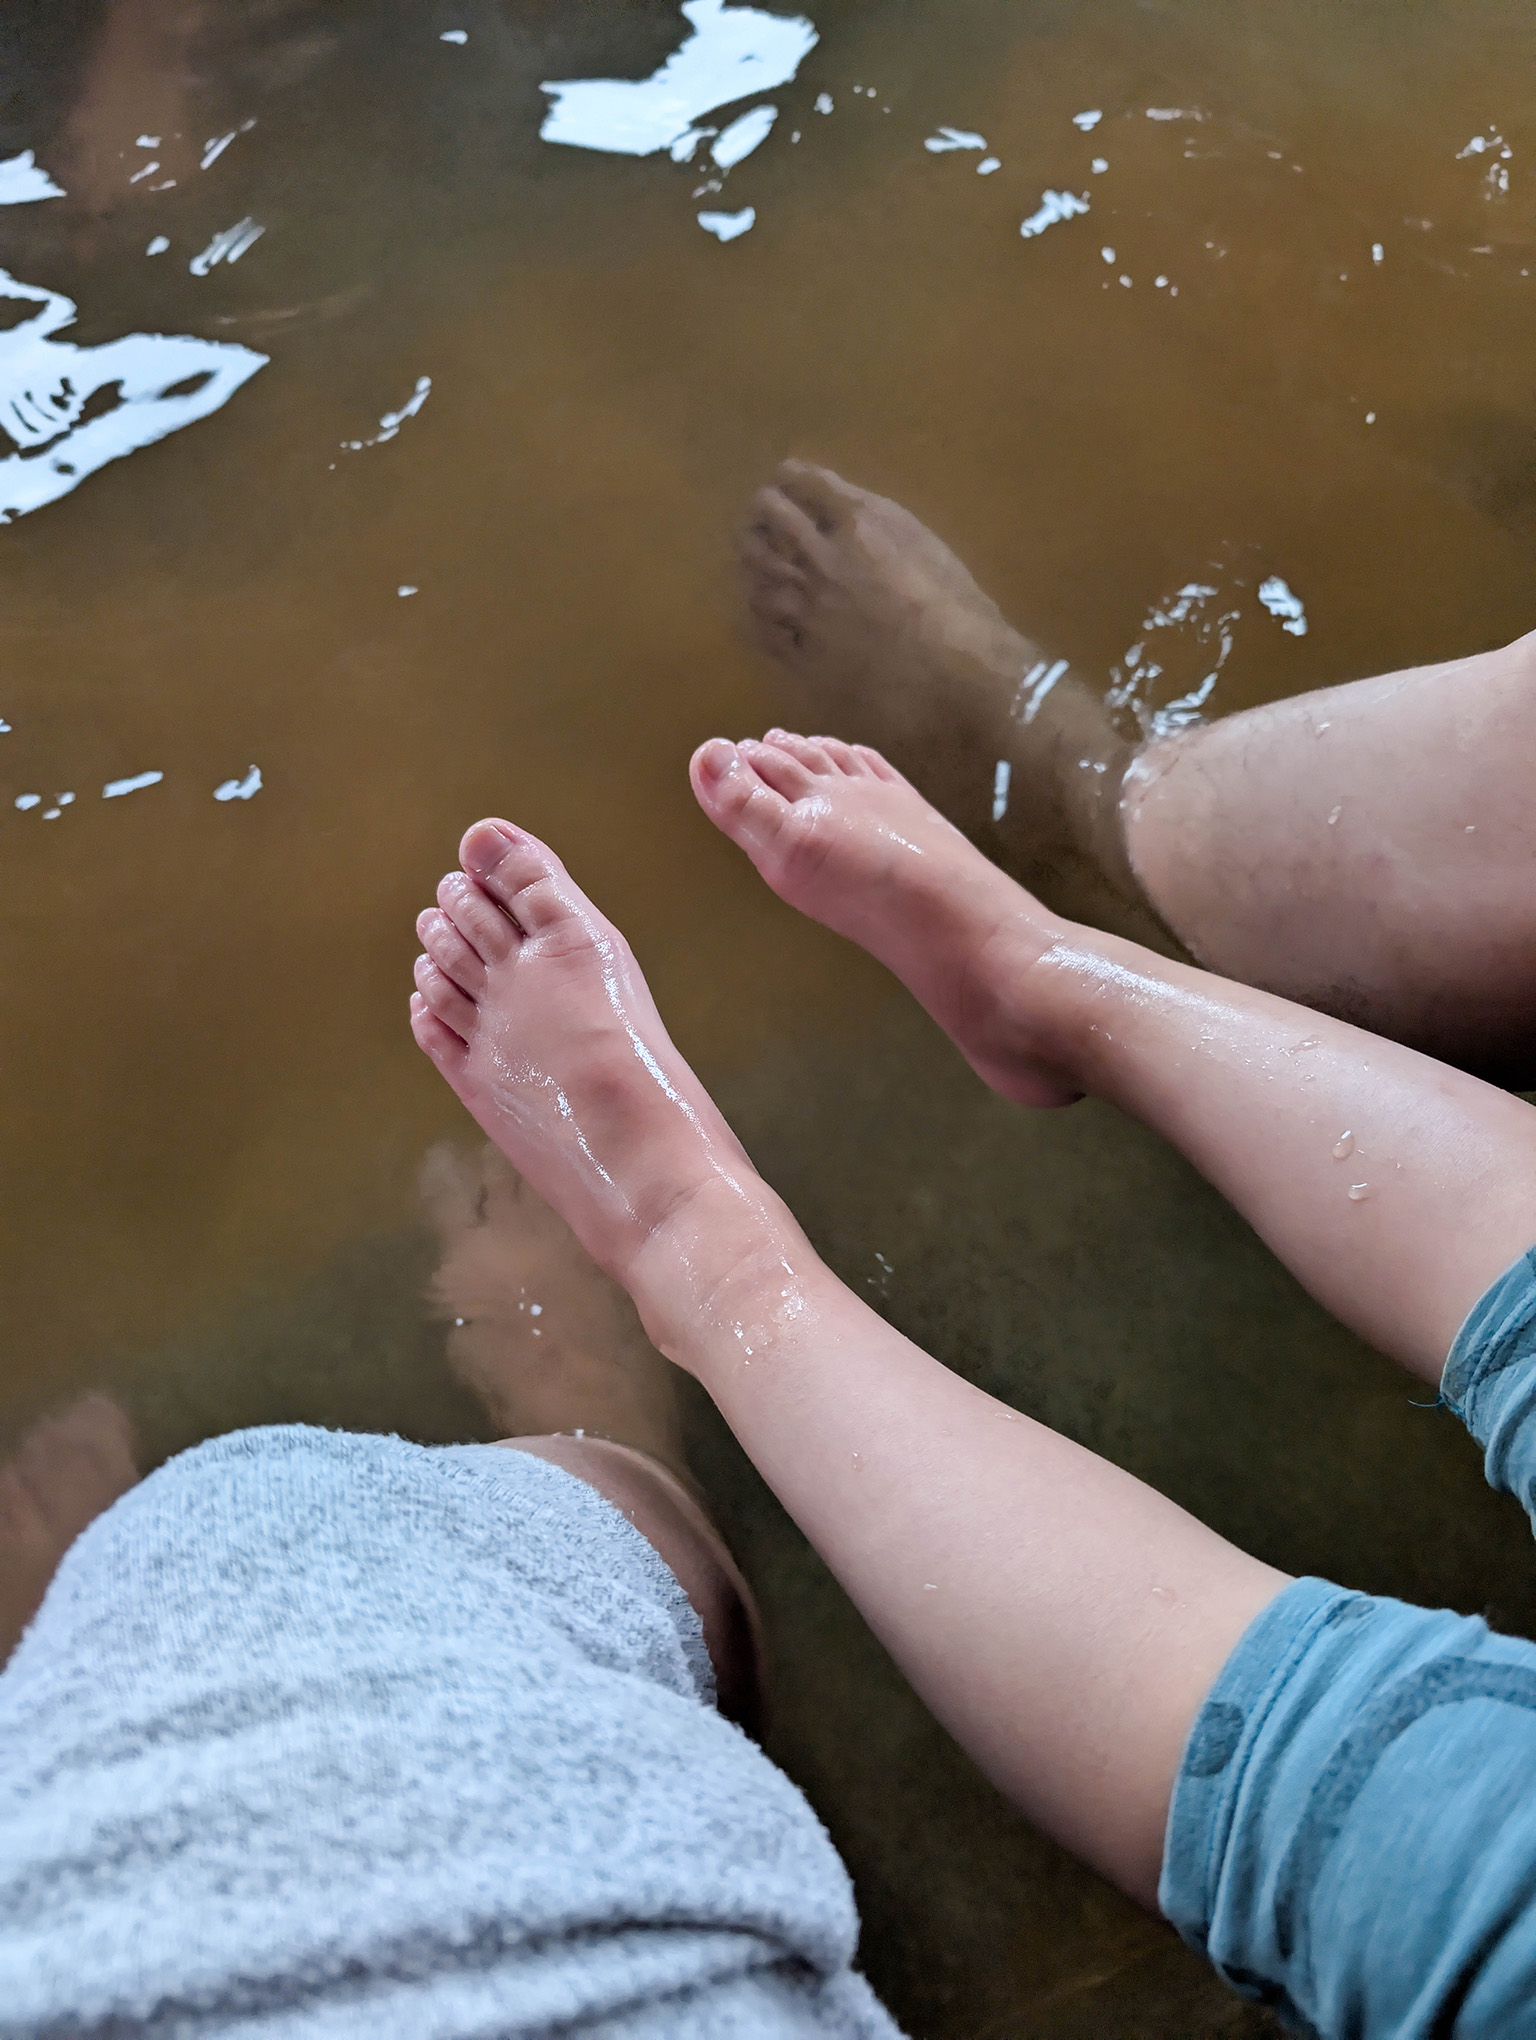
[533, 1008]
[66, 1471]
[538, 1333]
[842, 836]
[889, 640]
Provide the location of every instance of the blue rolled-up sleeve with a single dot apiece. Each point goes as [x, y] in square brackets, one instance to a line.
[1352, 1836]
[1490, 1383]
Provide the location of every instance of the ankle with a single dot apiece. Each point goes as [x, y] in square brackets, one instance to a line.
[1085, 987]
[723, 1277]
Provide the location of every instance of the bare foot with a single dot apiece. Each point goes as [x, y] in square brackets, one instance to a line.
[533, 1008]
[66, 1471]
[891, 641]
[543, 1338]
[838, 833]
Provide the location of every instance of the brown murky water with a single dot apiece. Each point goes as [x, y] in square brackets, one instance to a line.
[213, 1112]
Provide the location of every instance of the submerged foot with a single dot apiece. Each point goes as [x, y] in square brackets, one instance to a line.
[841, 835]
[65, 1472]
[538, 1333]
[891, 642]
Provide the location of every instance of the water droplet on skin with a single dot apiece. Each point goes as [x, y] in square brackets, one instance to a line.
[1164, 1594]
[1357, 1191]
[858, 1461]
[460, 1321]
[1343, 1146]
[535, 1310]
[1335, 815]
[930, 1586]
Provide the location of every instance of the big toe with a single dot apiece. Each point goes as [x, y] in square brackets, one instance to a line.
[522, 875]
[735, 796]
[824, 497]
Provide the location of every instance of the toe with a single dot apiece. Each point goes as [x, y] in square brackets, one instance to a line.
[768, 563]
[779, 608]
[839, 757]
[881, 767]
[779, 768]
[444, 999]
[777, 529]
[811, 751]
[522, 875]
[822, 496]
[477, 918]
[437, 1040]
[736, 799]
[450, 952]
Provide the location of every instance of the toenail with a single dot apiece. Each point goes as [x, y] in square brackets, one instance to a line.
[717, 758]
[485, 845]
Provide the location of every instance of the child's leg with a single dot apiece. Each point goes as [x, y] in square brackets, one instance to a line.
[1063, 1620]
[1395, 1188]
[1365, 849]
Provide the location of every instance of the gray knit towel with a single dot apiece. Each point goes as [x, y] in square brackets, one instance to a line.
[319, 1736]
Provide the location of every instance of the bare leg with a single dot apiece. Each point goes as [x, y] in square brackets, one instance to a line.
[66, 1471]
[1367, 850]
[553, 1349]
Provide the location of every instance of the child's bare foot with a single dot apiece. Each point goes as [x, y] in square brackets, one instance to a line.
[892, 642]
[531, 1005]
[540, 1334]
[838, 833]
[66, 1471]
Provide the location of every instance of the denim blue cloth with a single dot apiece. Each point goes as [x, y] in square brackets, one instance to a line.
[1352, 1838]
[320, 1737]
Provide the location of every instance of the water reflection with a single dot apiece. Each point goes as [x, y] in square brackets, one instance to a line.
[68, 410]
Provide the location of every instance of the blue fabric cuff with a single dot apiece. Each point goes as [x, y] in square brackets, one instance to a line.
[1490, 1380]
[1227, 1733]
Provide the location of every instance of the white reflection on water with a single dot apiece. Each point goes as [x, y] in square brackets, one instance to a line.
[1054, 207]
[732, 53]
[390, 423]
[240, 789]
[1277, 598]
[744, 135]
[23, 181]
[227, 247]
[727, 226]
[68, 410]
